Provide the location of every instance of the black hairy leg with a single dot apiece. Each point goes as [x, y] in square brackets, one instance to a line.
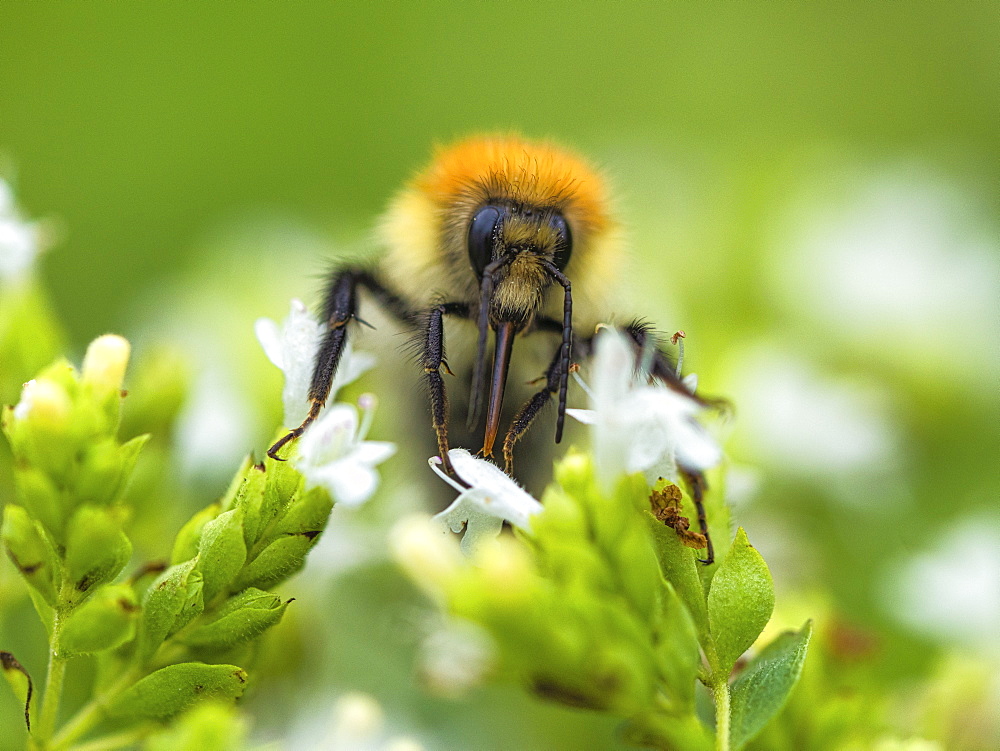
[340, 307]
[433, 358]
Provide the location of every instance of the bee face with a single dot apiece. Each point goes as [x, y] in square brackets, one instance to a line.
[523, 239]
[503, 196]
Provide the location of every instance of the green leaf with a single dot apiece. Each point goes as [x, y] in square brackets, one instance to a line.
[245, 616]
[677, 649]
[105, 621]
[763, 688]
[176, 687]
[30, 551]
[221, 552]
[163, 603]
[19, 681]
[679, 567]
[740, 601]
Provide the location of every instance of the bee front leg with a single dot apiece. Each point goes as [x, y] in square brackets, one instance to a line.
[339, 308]
[433, 358]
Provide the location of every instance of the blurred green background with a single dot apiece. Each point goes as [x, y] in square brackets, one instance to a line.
[811, 194]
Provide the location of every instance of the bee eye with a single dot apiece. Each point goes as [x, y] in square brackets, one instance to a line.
[482, 237]
[564, 246]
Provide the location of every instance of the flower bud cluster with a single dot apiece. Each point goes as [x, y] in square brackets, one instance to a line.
[213, 598]
[70, 471]
[596, 603]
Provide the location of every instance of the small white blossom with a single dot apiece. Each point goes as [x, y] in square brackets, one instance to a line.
[639, 426]
[20, 241]
[355, 722]
[455, 658]
[334, 454]
[292, 347]
[491, 498]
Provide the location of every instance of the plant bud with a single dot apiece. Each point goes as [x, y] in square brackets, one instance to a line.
[243, 617]
[104, 364]
[189, 538]
[96, 548]
[221, 552]
[212, 726]
[249, 497]
[164, 601]
[30, 552]
[279, 560]
[431, 559]
[41, 499]
[105, 621]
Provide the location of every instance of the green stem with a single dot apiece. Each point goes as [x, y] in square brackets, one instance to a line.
[111, 742]
[91, 713]
[720, 692]
[53, 688]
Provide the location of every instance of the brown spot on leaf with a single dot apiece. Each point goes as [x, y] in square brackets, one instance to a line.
[550, 689]
[148, 569]
[26, 569]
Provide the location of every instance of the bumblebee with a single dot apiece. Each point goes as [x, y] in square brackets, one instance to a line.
[515, 239]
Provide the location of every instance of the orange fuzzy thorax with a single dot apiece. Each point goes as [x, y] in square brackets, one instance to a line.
[535, 173]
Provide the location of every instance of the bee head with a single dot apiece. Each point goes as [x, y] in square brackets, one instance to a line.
[519, 243]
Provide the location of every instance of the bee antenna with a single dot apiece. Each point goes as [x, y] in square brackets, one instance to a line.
[567, 343]
[479, 373]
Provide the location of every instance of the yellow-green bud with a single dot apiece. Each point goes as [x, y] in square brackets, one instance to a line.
[163, 603]
[243, 617]
[105, 363]
[30, 552]
[221, 552]
[105, 621]
[96, 548]
[430, 558]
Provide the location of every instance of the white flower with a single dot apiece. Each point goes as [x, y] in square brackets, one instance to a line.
[292, 347]
[951, 591]
[639, 426]
[20, 241]
[334, 454]
[491, 498]
[455, 658]
[355, 722]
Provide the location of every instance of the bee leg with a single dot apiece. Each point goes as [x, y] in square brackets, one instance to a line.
[698, 486]
[433, 360]
[339, 308]
[523, 419]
